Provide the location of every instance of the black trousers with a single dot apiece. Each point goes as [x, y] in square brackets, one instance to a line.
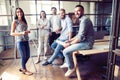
[53, 37]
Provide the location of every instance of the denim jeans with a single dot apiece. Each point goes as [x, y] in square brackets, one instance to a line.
[57, 51]
[67, 52]
[24, 50]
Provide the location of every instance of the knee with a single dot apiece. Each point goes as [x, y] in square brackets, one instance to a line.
[65, 52]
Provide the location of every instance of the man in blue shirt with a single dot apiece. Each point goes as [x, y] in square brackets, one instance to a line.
[66, 34]
[82, 41]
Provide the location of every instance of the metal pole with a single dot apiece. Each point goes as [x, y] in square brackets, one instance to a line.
[114, 35]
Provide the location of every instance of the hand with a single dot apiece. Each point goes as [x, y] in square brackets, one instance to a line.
[67, 41]
[66, 44]
[26, 32]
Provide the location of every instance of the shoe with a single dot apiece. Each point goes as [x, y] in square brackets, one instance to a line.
[69, 72]
[37, 61]
[28, 73]
[64, 65]
[46, 63]
[22, 70]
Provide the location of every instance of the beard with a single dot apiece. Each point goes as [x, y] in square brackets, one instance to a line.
[78, 16]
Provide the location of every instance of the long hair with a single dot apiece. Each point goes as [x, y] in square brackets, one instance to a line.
[23, 17]
[43, 12]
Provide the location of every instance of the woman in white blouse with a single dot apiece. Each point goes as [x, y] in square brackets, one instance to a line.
[43, 25]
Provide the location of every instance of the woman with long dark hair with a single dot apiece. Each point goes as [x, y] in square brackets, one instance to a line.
[19, 30]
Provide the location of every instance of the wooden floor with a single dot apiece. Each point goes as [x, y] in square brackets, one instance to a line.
[92, 69]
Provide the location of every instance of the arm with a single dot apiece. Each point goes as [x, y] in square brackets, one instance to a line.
[71, 41]
[70, 35]
[79, 37]
[70, 28]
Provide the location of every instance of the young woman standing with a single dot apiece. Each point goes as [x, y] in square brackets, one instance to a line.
[19, 30]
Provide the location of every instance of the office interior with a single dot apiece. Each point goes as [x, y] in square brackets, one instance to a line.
[105, 16]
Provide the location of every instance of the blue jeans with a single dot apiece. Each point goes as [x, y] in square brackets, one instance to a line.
[67, 52]
[24, 50]
[57, 51]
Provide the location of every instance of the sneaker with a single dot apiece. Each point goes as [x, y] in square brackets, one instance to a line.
[46, 63]
[64, 65]
[69, 72]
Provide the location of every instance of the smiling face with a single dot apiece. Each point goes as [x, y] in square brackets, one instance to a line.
[62, 13]
[79, 12]
[19, 13]
[54, 11]
[43, 14]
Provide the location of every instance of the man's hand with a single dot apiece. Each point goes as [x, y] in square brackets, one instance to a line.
[66, 44]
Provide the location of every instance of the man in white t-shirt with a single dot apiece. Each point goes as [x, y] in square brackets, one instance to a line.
[55, 26]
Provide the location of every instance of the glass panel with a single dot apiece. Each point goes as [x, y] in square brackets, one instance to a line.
[3, 20]
[107, 8]
[31, 20]
[104, 8]
[3, 10]
[28, 7]
[89, 7]
[10, 8]
[46, 6]
[101, 22]
[68, 6]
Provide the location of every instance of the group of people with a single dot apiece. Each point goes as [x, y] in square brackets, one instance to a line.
[58, 31]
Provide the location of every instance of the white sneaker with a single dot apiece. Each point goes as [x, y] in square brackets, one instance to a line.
[69, 72]
[64, 65]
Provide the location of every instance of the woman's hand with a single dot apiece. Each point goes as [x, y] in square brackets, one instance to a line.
[26, 32]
